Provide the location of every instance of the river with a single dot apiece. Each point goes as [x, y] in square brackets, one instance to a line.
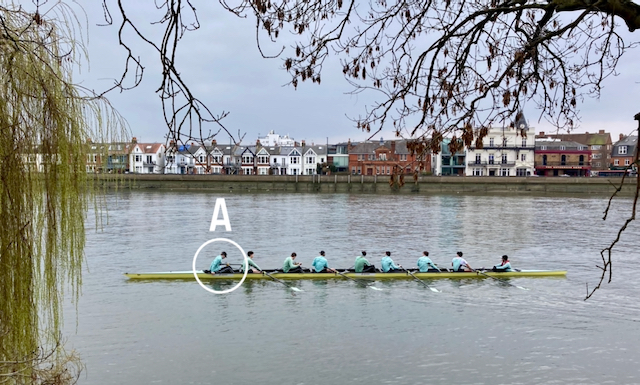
[477, 331]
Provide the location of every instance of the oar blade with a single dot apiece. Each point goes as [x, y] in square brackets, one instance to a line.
[520, 287]
[375, 288]
[433, 289]
[295, 288]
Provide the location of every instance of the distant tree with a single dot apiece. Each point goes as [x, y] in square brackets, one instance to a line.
[46, 122]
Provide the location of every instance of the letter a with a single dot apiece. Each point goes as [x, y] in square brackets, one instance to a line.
[215, 221]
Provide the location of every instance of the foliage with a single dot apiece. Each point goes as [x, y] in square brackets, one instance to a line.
[45, 124]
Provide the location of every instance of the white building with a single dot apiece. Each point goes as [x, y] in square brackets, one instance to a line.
[273, 139]
[506, 151]
[147, 158]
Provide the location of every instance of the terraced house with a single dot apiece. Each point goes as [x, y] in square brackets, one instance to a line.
[600, 146]
[383, 157]
[556, 157]
[623, 152]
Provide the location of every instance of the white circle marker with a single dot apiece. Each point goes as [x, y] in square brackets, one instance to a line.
[244, 276]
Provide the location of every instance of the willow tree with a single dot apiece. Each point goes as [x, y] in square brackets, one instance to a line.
[45, 124]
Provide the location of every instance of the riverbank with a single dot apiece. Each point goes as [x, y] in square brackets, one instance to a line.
[370, 184]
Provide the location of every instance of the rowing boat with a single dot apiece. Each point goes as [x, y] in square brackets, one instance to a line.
[298, 276]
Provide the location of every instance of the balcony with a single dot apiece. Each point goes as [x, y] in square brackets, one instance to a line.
[560, 164]
[485, 163]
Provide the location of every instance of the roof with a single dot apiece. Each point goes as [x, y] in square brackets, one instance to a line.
[630, 140]
[370, 146]
[556, 144]
[599, 139]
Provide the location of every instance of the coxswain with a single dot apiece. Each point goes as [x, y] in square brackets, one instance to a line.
[504, 266]
[321, 265]
[290, 266]
[252, 266]
[425, 263]
[460, 264]
[362, 265]
[387, 264]
[216, 265]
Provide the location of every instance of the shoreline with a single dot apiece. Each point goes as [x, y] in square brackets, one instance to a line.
[360, 184]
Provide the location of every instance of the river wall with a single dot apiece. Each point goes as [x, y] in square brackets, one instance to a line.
[370, 184]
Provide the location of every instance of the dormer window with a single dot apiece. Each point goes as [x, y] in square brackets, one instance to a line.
[622, 150]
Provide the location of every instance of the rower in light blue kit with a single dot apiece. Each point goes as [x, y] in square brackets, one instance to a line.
[460, 264]
[321, 265]
[216, 265]
[252, 266]
[362, 265]
[504, 266]
[290, 266]
[425, 263]
[387, 264]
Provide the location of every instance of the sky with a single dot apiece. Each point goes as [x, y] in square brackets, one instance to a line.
[224, 68]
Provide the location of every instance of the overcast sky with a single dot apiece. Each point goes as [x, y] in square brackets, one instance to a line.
[225, 70]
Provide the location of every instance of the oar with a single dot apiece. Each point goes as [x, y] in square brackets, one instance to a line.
[421, 281]
[282, 282]
[500, 280]
[369, 285]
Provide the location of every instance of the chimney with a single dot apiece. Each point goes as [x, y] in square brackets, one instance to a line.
[541, 133]
[393, 147]
[134, 140]
[587, 132]
[214, 142]
[601, 132]
[303, 144]
[621, 136]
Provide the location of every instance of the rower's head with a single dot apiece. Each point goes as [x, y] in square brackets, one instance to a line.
[505, 258]
[425, 253]
[459, 253]
[250, 254]
[322, 252]
[294, 255]
[387, 253]
[224, 254]
[364, 253]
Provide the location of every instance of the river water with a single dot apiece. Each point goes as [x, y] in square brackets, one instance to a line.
[336, 332]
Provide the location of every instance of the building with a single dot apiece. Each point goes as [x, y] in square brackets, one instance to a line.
[505, 151]
[446, 163]
[146, 158]
[599, 144]
[274, 140]
[338, 157]
[623, 152]
[556, 157]
[385, 158]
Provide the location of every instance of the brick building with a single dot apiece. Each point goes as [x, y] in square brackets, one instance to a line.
[381, 157]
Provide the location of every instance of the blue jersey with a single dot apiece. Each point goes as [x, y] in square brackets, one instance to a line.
[320, 263]
[215, 265]
[505, 267]
[424, 263]
[387, 264]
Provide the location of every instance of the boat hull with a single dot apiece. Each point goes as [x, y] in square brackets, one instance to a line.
[188, 275]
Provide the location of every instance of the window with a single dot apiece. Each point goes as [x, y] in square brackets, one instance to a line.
[504, 142]
[491, 160]
[491, 144]
[247, 159]
[622, 150]
[504, 172]
[383, 156]
[311, 171]
[562, 148]
[544, 160]
[321, 160]
[596, 156]
[359, 171]
[595, 148]
[478, 158]
[403, 157]
[581, 161]
[524, 142]
[388, 170]
[563, 161]
[377, 170]
[372, 157]
[521, 172]
[504, 158]
[477, 172]
[353, 170]
[543, 148]
[523, 157]
[626, 162]
[360, 157]
[311, 159]
[597, 164]
[201, 158]
[138, 158]
[294, 160]
[149, 159]
[616, 162]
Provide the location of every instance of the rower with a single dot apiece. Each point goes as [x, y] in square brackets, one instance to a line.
[425, 263]
[362, 265]
[321, 265]
[290, 266]
[216, 265]
[252, 266]
[459, 263]
[387, 264]
[504, 266]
